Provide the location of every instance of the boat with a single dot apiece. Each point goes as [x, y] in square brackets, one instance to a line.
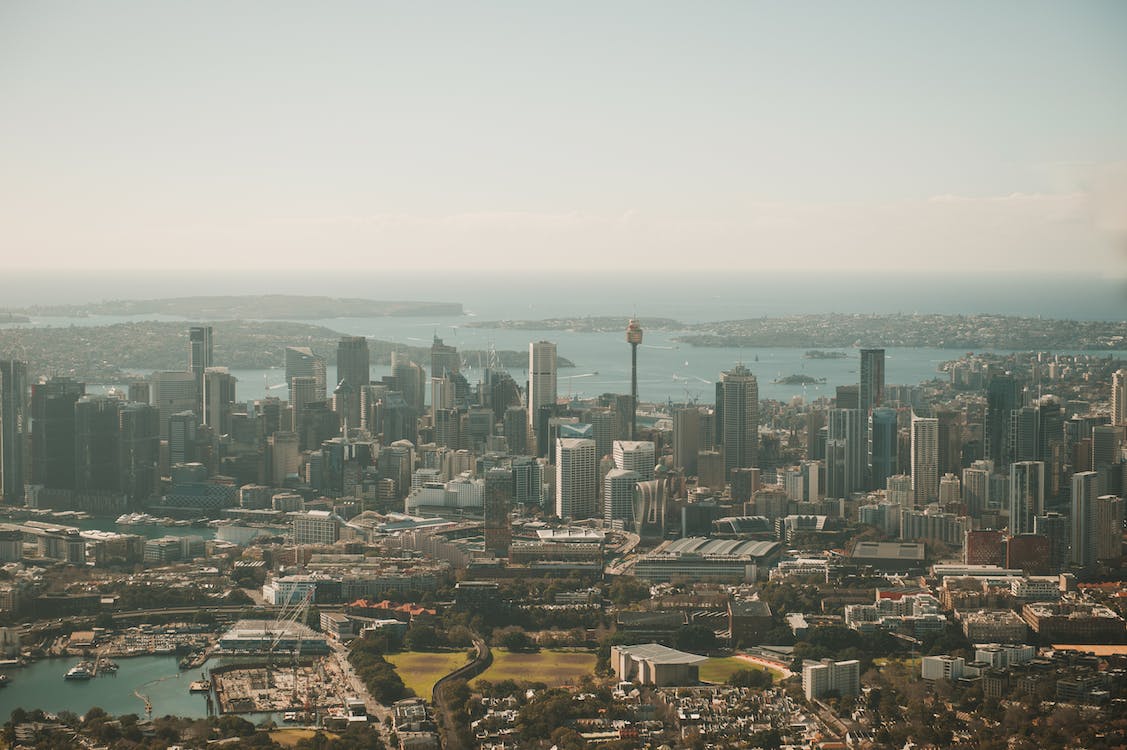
[5, 680]
[200, 686]
[290, 716]
[79, 672]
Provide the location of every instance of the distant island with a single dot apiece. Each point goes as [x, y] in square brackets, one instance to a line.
[819, 354]
[255, 307]
[799, 380]
[10, 317]
[115, 353]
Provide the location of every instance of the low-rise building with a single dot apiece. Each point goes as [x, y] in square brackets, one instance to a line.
[654, 664]
[993, 626]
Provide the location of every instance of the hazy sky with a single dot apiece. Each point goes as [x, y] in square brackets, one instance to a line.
[577, 135]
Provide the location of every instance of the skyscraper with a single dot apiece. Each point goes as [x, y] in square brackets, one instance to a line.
[199, 359]
[637, 456]
[950, 441]
[181, 432]
[53, 432]
[498, 500]
[686, 439]
[1119, 397]
[172, 393]
[576, 478]
[96, 425]
[353, 367]
[737, 418]
[1107, 440]
[925, 459]
[138, 453]
[883, 445]
[618, 497]
[845, 452]
[444, 359]
[301, 362]
[218, 399]
[1085, 489]
[1027, 495]
[410, 380]
[1109, 528]
[1003, 395]
[13, 425]
[976, 489]
[871, 390]
[541, 378]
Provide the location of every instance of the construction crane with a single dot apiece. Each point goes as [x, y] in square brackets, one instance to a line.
[287, 616]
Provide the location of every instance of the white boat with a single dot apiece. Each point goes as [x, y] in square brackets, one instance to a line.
[79, 672]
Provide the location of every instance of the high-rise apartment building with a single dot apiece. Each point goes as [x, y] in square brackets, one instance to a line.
[737, 418]
[636, 456]
[976, 488]
[1119, 397]
[845, 452]
[577, 475]
[618, 497]
[1107, 444]
[883, 437]
[950, 439]
[1085, 490]
[13, 427]
[1109, 528]
[1027, 495]
[925, 459]
[498, 503]
[541, 377]
[1003, 395]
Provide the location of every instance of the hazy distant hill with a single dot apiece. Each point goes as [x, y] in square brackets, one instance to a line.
[262, 307]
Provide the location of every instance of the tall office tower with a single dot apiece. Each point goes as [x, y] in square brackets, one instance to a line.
[1107, 444]
[448, 428]
[976, 489]
[283, 457]
[541, 378]
[950, 489]
[1054, 527]
[1022, 439]
[13, 425]
[354, 361]
[618, 497]
[182, 430]
[686, 439]
[1003, 395]
[499, 392]
[52, 432]
[602, 421]
[516, 435]
[883, 444]
[1027, 495]
[346, 404]
[199, 359]
[172, 393]
[139, 392]
[634, 338]
[637, 456]
[410, 380]
[950, 441]
[96, 424]
[737, 418]
[303, 392]
[138, 453]
[577, 473]
[218, 399]
[372, 397]
[301, 362]
[1109, 528]
[925, 459]
[845, 452]
[1119, 397]
[847, 397]
[1085, 490]
[444, 359]
[498, 501]
[871, 388]
[398, 420]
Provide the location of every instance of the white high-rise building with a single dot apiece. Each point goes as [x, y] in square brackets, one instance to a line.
[925, 459]
[541, 378]
[618, 497]
[1119, 397]
[1027, 495]
[577, 477]
[827, 675]
[636, 456]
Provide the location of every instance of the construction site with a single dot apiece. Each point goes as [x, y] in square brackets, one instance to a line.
[283, 666]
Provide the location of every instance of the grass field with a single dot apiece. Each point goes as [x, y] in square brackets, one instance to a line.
[719, 669]
[290, 737]
[549, 667]
[420, 670]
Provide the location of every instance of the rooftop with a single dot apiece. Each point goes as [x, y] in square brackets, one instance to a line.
[658, 654]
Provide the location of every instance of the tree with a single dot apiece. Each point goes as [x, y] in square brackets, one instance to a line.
[750, 678]
[514, 639]
[422, 638]
[695, 638]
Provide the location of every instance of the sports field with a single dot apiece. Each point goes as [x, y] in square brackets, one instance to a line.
[719, 669]
[547, 666]
[419, 670]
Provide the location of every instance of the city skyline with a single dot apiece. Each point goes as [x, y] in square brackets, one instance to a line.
[745, 137]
